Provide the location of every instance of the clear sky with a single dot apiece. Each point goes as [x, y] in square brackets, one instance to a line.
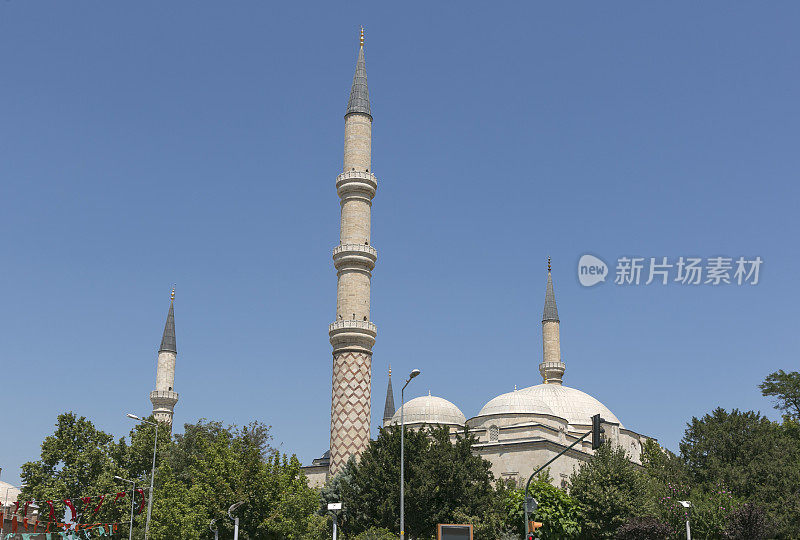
[150, 143]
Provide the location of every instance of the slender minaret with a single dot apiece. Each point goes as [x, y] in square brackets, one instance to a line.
[388, 408]
[163, 397]
[551, 368]
[352, 334]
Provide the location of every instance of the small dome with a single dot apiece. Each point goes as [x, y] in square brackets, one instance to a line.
[516, 402]
[430, 410]
[575, 406]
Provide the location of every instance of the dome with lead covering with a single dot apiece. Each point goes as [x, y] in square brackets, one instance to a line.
[430, 410]
[516, 402]
[571, 404]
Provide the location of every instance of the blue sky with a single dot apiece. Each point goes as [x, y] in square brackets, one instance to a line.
[197, 143]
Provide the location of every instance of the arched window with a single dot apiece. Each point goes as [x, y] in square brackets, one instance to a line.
[494, 433]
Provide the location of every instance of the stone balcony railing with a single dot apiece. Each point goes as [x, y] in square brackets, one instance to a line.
[354, 255]
[551, 365]
[356, 183]
[352, 333]
[166, 397]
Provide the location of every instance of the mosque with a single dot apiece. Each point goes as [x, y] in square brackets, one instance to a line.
[517, 431]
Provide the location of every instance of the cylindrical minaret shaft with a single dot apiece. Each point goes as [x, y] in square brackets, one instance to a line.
[163, 397]
[551, 368]
[352, 334]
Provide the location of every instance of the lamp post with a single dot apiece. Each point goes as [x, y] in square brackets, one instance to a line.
[414, 373]
[232, 509]
[133, 492]
[213, 528]
[152, 472]
[334, 509]
[687, 505]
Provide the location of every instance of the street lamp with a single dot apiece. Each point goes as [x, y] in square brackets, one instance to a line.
[232, 509]
[133, 492]
[152, 471]
[334, 508]
[414, 373]
[687, 504]
[213, 528]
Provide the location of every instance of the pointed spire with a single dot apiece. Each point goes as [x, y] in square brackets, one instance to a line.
[388, 408]
[168, 339]
[359, 93]
[550, 312]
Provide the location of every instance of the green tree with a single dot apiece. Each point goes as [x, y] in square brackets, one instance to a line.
[665, 482]
[712, 508]
[558, 512]
[645, 528]
[199, 474]
[662, 465]
[77, 460]
[757, 459]
[748, 522]
[785, 388]
[375, 533]
[212, 467]
[609, 490]
[445, 481]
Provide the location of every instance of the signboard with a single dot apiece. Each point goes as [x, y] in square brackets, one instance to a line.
[453, 532]
[334, 506]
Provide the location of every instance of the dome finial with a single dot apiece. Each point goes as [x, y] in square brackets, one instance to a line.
[390, 370]
[548, 263]
[172, 294]
[362, 36]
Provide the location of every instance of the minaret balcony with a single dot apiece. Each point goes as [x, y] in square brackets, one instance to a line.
[355, 256]
[352, 333]
[163, 398]
[356, 184]
[552, 372]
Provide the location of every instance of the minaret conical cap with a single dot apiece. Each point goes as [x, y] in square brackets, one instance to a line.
[388, 408]
[550, 312]
[168, 339]
[359, 93]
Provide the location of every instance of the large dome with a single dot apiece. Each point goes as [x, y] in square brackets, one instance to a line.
[430, 410]
[575, 406]
[516, 402]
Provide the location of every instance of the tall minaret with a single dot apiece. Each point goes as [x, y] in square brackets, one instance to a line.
[163, 397]
[551, 368]
[352, 334]
[388, 407]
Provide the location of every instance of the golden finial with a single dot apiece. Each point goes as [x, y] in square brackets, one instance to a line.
[362, 36]
[390, 370]
[172, 295]
[548, 263]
